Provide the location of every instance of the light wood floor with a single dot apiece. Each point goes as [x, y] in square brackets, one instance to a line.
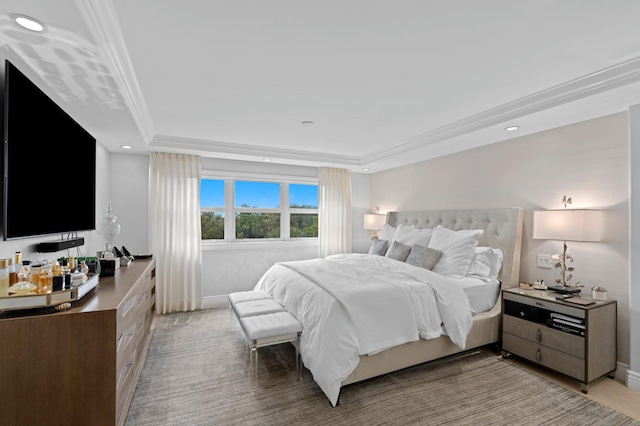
[609, 392]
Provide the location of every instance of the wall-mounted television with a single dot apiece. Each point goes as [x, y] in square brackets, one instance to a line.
[49, 164]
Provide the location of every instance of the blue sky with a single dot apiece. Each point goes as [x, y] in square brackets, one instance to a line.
[258, 194]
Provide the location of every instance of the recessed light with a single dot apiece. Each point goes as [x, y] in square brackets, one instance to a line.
[29, 23]
[366, 169]
[307, 123]
[511, 128]
[125, 146]
[266, 160]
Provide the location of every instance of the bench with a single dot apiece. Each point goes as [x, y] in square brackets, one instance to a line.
[265, 322]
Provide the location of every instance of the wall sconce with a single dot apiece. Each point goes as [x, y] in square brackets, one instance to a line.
[567, 225]
[374, 222]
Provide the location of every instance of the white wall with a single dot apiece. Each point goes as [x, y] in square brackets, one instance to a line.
[587, 161]
[129, 177]
[633, 377]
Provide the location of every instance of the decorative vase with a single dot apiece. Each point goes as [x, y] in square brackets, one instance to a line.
[109, 228]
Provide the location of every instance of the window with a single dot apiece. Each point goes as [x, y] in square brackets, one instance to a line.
[258, 210]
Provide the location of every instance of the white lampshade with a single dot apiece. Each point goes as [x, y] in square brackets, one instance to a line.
[374, 222]
[567, 225]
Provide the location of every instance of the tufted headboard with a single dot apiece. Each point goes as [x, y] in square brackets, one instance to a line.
[502, 229]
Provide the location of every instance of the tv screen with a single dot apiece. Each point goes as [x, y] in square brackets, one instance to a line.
[49, 164]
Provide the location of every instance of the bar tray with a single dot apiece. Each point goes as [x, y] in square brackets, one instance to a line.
[30, 301]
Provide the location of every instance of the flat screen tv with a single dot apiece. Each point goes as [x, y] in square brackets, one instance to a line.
[49, 165]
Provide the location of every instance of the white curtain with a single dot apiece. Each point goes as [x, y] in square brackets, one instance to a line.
[174, 231]
[334, 211]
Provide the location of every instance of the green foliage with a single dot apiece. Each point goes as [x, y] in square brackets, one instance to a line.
[258, 225]
[304, 225]
[212, 225]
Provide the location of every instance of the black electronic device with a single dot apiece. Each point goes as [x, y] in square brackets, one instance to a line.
[564, 290]
[49, 165]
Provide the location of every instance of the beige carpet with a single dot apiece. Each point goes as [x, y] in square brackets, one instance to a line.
[198, 373]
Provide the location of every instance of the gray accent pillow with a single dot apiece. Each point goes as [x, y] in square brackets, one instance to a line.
[378, 246]
[423, 257]
[399, 251]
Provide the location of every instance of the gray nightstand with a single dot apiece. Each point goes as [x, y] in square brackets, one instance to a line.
[576, 340]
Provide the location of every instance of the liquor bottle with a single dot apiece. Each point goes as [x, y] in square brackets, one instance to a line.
[15, 268]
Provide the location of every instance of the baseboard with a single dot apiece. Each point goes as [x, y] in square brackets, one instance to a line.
[209, 302]
[633, 380]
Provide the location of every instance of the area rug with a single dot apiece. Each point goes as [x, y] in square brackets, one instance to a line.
[198, 372]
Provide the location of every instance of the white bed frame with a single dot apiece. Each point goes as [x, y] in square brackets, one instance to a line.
[502, 229]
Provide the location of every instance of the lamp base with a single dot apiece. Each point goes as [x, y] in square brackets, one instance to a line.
[564, 290]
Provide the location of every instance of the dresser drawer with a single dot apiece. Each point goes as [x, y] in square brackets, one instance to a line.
[545, 336]
[556, 360]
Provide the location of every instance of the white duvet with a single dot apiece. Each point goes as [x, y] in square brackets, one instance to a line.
[360, 304]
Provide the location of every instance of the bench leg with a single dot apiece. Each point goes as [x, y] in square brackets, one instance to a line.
[254, 362]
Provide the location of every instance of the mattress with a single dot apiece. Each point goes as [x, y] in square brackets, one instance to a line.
[482, 295]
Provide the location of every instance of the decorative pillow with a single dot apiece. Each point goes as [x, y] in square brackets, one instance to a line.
[398, 251]
[387, 232]
[423, 257]
[457, 250]
[486, 264]
[401, 232]
[378, 247]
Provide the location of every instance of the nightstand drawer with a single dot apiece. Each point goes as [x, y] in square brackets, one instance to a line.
[556, 360]
[545, 304]
[545, 336]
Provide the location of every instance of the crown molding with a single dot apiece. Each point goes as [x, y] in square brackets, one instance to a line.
[619, 75]
[102, 20]
[101, 16]
[610, 78]
[164, 141]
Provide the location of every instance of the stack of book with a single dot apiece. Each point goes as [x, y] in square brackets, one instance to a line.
[567, 323]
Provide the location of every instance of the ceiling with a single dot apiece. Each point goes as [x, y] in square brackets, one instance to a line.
[386, 83]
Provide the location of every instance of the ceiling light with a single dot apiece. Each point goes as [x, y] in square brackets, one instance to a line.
[366, 169]
[266, 160]
[511, 128]
[29, 23]
[307, 123]
[125, 146]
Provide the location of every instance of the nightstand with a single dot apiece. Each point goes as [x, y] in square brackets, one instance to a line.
[575, 340]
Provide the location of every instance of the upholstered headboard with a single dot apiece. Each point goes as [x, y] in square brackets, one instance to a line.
[502, 229]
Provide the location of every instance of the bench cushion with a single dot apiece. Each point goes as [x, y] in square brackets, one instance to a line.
[267, 326]
[257, 307]
[246, 296]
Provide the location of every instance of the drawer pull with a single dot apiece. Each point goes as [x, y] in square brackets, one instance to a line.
[539, 336]
[538, 356]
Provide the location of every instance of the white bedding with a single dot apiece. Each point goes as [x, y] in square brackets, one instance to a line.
[359, 304]
[482, 295]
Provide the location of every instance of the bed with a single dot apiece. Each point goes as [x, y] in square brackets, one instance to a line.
[366, 315]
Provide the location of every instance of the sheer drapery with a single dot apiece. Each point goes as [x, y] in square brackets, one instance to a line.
[174, 230]
[334, 211]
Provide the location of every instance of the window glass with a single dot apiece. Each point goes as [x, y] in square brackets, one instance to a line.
[257, 225]
[303, 196]
[212, 209]
[212, 225]
[257, 195]
[303, 225]
[211, 193]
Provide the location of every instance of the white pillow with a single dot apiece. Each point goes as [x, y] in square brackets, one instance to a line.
[415, 237]
[486, 264]
[457, 250]
[387, 233]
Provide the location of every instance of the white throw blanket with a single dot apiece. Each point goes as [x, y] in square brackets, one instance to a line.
[357, 304]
